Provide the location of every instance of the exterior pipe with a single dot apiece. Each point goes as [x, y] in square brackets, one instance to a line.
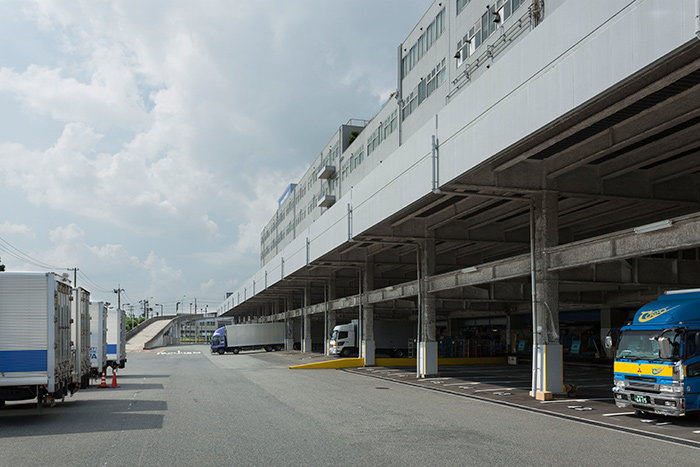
[533, 293]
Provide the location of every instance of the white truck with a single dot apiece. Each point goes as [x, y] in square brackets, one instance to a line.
[390, 338]
[116, 338]
[80, 337]
[35, 328]
[253, 336]
[98, 338]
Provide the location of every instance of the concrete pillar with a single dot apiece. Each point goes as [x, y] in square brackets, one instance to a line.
[427, 348]
[548, 363]
[331, 313]
[289, 323]
[368, 316]
[306, 341]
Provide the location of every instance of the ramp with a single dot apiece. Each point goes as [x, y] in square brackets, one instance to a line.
[138, 341]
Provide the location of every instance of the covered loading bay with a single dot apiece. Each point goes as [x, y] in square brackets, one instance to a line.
[607, 197]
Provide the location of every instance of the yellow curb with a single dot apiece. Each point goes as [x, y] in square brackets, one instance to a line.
[337, 363]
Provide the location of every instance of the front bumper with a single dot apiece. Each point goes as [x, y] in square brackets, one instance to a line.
[672, 404]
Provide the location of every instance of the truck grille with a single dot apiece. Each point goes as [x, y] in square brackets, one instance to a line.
[645, 379]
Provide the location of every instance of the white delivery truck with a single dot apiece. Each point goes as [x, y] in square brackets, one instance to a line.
[98, 338]
[237, 337]
[80, 337]
[35, 353]
[116, 338]
[390, 338]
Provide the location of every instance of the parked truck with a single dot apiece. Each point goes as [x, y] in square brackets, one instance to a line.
[390, 338]
[35, 336]
[98, 338]
[116, 338]
[253, 336]
[657, 359]
[80, 337]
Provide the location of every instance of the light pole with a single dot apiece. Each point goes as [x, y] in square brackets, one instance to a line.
[161, 308]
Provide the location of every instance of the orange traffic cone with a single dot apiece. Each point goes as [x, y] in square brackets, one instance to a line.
[114, 379]
[103, 384]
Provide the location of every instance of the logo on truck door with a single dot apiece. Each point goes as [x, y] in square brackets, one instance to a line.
[651, 314]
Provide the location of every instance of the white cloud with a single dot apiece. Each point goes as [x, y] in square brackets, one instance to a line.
[17, 229]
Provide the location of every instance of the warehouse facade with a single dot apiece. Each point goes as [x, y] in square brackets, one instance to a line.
[536, 168]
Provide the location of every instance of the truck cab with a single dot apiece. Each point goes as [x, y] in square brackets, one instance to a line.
[344, 340]
[657, 360]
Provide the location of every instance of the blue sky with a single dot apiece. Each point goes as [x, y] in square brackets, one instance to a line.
[147, 143]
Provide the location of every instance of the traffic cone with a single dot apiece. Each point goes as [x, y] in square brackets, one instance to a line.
[103, 384]
[114, 379]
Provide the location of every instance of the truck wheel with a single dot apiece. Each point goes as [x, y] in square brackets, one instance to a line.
[398, 353]
[345, 353]
[278, 348]
[268, 348]
[221, 351]
[235, 351]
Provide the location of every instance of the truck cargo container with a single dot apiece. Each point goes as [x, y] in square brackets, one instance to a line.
[35, 335]
[657, 361]
[116, 338]
[390, 338]
[237, 337]
[98, 338]
[80, 337]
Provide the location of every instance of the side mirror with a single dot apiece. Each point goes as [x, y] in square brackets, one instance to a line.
[608, 342]
[664, 348]
[697, 339]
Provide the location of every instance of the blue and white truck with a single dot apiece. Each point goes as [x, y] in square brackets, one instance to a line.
[80, 337]
[98, 338]
[35, 337]
[116, 338]
[236, 337]
[657, 358]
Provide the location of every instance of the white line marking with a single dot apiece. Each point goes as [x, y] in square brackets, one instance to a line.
[617, 414]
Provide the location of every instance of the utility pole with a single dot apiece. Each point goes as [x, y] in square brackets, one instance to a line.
[75, 277]
[119, 291]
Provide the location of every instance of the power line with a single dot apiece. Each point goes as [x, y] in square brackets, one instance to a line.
[23, 257]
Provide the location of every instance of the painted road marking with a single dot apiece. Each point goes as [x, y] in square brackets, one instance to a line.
[180, 353]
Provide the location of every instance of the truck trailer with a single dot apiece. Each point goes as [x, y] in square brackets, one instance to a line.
[98, 338]
[35, 335]
[80, 337]
[390, 338]
[116, 338]
[657, 358]
[236, 337]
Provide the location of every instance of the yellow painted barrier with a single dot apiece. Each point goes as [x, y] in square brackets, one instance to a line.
[359, 362]
[337, 363]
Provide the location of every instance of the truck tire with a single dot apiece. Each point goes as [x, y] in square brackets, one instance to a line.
[236, 350]
[398, 353]
[221, 351]
[268, 348]
[345, 353]
[278, 348]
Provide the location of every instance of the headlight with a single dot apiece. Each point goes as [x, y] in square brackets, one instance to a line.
[620, 383]
[671, 388]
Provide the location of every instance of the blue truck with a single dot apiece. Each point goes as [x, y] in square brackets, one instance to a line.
[657, 357]
[236, 337]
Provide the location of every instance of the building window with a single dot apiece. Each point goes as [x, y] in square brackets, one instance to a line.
[461, 4]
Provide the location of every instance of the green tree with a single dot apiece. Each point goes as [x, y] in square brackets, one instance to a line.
[2, 266]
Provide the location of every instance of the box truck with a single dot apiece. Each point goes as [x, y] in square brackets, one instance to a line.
[657, 358]
[390, 338]
[98, 338]
[253, 336]
[80, 337]
[35, 335]
[116, 338]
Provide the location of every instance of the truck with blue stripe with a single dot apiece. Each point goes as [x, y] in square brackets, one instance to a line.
[98, 338]
[657, 357]
[35, 337]
[116, 338]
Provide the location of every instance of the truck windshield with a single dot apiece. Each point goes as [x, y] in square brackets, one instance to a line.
[643, 345]
[215, 340]
[334, 335]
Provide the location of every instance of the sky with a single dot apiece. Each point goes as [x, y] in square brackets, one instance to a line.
[147, 143]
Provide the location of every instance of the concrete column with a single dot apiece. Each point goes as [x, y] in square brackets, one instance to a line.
[289, 323]
[547, 371]
[368, 316]
[605, 327]
[427, 348]
[306, 341]
[331, 313]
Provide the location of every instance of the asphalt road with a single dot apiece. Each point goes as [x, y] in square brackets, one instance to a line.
[184, 406]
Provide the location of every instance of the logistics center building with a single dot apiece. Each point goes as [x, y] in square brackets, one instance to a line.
[534, 179]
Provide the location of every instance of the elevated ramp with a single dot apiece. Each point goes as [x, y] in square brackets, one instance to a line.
[139, 340]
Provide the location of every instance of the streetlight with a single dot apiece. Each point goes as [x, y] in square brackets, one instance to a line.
[161, 308]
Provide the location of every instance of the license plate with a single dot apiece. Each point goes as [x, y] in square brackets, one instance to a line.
[640, 399]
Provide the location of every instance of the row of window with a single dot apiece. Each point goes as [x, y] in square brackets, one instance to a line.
[424, 89]
[484, 27]
[382, 132]
[424, 42]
